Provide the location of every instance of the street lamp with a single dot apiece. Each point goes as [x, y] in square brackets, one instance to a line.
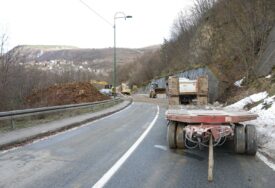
[117, 16]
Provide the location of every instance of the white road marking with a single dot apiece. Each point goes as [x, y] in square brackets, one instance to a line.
[108, 175]
[164, 148]
[106, 116]
[266, 161]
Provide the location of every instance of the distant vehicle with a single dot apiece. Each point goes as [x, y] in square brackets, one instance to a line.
[108, 86]
[125, 90]
[107, 92]
[103, 87]
[155, 89]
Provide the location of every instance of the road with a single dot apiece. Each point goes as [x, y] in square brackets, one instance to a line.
[82, 156]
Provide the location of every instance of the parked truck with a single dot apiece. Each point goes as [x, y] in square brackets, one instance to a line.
[196, 126]
[125, 90]
[186, 91]
[155, 89]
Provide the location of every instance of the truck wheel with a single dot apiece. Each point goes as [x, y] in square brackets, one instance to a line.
[180, 136]
[171, 134]
[251, 140]
[239, 139]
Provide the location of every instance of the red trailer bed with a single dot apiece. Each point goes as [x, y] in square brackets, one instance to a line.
[196, 126]
[209, 116]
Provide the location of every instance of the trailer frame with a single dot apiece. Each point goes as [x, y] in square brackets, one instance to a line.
[210, 127]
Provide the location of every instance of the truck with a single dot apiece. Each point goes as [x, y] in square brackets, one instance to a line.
[198, 125]
[185, 91]
[155, 89]
[125, 90]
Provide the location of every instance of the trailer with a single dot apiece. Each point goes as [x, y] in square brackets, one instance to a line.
[192, 127]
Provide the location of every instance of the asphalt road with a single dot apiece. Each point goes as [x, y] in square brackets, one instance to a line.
[80, 157]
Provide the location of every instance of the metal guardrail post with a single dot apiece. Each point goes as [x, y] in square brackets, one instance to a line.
[12, 123]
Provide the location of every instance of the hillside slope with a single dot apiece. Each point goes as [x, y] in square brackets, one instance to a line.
[230, 38]
[62, 58]
[267, 59]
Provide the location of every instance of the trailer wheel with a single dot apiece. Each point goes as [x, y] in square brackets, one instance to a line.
[171, 134]
[239, 139]
[180, 136]
[251, 139]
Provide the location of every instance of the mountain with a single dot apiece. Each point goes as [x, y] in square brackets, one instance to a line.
[61, 58]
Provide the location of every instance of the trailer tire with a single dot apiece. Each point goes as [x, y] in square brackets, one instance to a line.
[180, 136]
[171, 134]
[239, 139]
[251, 139]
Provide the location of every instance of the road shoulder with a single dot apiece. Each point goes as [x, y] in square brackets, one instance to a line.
[27, 135]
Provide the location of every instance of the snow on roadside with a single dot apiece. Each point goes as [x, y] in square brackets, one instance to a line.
[265, 123]
[248, 100]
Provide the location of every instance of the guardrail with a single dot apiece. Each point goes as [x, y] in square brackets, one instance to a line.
[11, 115]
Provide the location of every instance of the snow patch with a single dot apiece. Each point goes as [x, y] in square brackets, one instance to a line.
[265, 123]
[268, 76]
[239, 82]
[40, 54]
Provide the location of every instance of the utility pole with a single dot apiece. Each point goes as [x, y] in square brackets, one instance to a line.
[116, 16]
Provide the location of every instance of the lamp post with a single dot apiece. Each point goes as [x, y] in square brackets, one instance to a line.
[117, 16]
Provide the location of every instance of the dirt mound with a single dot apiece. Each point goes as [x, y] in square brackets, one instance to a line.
[61, 94]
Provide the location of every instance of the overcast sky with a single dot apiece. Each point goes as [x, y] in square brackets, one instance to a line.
[69, 22]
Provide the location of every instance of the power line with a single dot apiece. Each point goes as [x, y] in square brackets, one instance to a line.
[96, 13]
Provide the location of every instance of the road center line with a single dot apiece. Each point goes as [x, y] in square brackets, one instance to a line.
[108, 175]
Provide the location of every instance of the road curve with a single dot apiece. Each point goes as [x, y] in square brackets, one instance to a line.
[80, 157]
